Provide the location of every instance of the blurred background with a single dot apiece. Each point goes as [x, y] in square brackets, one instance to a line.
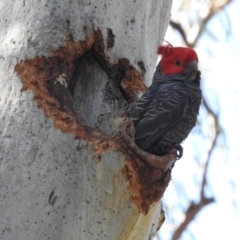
[203, 199]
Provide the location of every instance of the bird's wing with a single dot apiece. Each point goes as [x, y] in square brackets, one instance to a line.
[137, 109]
[166, 109]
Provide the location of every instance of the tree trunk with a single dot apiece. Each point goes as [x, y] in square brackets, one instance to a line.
[69, 166]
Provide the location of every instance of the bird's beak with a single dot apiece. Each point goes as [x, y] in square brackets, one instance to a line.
[193, 66]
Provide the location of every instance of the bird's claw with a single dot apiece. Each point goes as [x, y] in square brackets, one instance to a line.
[180, 151]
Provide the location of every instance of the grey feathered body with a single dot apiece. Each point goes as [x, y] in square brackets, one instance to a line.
[166, 113]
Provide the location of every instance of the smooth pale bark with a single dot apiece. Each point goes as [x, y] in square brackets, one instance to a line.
[52, 185]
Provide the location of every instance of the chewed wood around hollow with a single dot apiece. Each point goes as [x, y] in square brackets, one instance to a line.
[80, 89]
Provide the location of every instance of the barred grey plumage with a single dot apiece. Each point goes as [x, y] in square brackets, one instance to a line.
[167, 111]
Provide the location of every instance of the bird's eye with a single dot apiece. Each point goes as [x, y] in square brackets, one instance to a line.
[178, 62]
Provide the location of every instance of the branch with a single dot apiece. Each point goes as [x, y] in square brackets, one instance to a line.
[195, 208]
[214, 142]
[214, 9]
[180, 29]
[191, 212]
[213, 114]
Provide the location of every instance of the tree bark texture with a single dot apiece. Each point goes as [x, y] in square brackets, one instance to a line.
[69, 167]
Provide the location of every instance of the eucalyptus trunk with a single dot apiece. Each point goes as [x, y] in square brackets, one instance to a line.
[70, 169]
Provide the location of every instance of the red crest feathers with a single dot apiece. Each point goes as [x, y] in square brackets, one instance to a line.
[171, 55]
[169, 49]
[165, 49]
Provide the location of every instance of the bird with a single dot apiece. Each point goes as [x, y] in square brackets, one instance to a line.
[166, 113]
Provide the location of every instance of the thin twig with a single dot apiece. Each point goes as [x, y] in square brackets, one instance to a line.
[195, 208]
[180, 29]
[202, 25]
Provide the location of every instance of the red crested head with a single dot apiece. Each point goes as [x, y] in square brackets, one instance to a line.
[176, 60]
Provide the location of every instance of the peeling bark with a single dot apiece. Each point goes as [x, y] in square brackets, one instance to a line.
[64, 87]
